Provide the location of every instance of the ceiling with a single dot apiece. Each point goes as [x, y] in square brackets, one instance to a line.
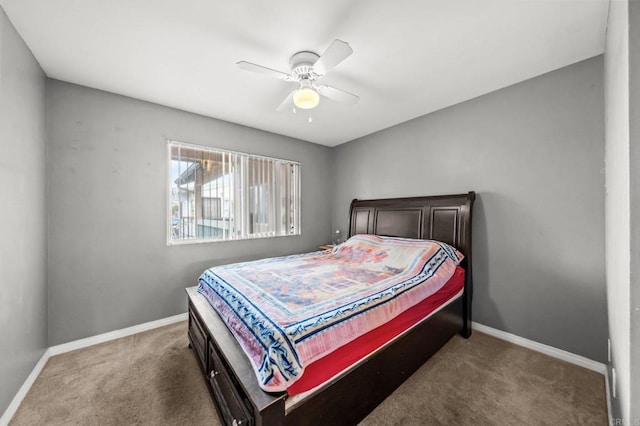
[411, 57]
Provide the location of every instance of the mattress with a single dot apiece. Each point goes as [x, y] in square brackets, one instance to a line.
[290, 312]
[330, 366]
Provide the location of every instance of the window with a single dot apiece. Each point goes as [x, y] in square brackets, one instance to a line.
[219, 195]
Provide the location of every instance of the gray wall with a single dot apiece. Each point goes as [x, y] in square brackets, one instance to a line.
[634, 160]
[109, 265]
[23, 293]
[534, 153]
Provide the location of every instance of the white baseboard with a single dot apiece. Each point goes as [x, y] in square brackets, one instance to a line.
[542, 348]
[22, 392]
[112, 335]
[79, 344]
[569, 357]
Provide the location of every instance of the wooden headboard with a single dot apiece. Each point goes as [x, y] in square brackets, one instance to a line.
[444, 218]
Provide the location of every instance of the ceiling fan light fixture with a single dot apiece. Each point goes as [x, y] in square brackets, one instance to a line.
[306, 69]
[306, 98]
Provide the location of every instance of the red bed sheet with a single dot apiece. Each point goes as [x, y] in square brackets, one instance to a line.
[325, 368]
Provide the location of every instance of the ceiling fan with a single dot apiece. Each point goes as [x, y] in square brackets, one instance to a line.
[306, 69]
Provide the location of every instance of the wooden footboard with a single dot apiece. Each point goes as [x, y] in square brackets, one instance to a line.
[346, 400]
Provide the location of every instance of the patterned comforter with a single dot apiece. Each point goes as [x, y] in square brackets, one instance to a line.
[287, 312]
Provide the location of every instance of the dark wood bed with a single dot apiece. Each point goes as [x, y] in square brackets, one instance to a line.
[348, 398]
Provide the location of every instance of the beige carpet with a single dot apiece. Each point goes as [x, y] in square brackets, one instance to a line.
[152, 378]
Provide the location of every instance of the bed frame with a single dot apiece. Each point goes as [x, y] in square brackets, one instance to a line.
[348, 398]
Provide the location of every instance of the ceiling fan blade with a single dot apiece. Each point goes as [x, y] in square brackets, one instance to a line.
[338, 95]
[263, 70]
[337, 52]
[287, 103]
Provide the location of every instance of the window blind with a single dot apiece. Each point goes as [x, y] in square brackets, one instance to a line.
[216, 194]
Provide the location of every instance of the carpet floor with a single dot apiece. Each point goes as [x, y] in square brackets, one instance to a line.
[152, 378]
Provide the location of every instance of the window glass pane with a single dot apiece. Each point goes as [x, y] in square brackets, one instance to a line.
[220, 195]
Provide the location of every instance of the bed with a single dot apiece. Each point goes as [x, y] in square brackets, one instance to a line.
[349, 396]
